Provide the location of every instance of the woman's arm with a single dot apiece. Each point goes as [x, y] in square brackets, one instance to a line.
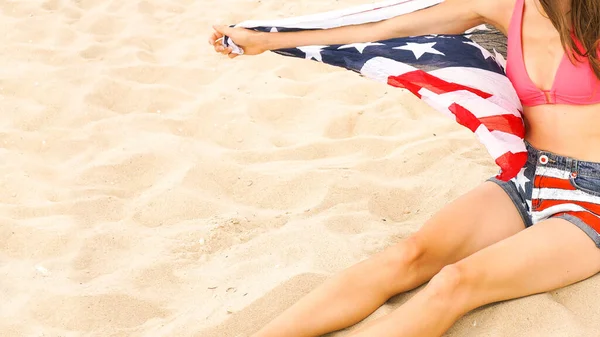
[448, 17]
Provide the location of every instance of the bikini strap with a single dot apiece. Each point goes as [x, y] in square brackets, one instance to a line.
[516, 21]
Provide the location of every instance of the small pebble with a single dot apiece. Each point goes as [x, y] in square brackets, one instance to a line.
[213, 288]
[42, 270]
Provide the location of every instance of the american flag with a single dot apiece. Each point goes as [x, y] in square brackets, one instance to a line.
[462, 76]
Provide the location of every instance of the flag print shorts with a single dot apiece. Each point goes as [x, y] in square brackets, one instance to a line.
[553, 186]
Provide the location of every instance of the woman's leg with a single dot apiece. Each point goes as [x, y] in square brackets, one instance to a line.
[549, 255]
[476, 220]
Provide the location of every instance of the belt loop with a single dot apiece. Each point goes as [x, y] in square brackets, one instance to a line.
[574, 168]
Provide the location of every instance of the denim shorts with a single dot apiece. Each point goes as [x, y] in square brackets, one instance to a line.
[553, 186]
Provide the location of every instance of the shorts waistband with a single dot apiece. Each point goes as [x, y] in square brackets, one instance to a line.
[553, 160]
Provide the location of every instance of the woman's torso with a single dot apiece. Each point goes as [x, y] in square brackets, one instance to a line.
[568, 130]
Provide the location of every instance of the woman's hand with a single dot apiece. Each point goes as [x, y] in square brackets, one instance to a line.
[251, 42]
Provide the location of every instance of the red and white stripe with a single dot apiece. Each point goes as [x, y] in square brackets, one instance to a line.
[553, 194]
[465, 95]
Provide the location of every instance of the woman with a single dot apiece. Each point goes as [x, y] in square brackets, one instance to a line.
[502, 240]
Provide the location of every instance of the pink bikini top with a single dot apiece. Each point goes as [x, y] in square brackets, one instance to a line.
[573, 83]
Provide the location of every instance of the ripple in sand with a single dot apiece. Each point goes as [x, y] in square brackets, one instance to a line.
[98, 256]
[96, 312]
[174, 206]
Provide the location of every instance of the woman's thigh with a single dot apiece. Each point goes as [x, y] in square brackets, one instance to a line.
[548, 255]
[468, 224]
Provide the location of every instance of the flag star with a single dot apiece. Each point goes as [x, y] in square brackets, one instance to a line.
[499, 59]
[360, 46]
[486, 53]
[420, 48]
[521, 180]
[313, 52]
[480, 27]
[274, 30]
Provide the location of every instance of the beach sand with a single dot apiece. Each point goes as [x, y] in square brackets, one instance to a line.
[150, 187]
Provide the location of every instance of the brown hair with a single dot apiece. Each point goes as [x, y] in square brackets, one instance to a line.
[585, 18]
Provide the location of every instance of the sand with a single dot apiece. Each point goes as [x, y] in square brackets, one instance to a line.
[150, 187]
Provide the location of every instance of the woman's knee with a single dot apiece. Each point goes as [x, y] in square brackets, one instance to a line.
[407, 253]
[449, 280]
[452, 286]
[402, 263]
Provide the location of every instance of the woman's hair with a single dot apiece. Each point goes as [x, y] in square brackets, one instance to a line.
[585, 18]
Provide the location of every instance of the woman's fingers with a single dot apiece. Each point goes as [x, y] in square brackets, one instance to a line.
[223, 50]
[226, 51]
[215, 41]
[216, 36]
